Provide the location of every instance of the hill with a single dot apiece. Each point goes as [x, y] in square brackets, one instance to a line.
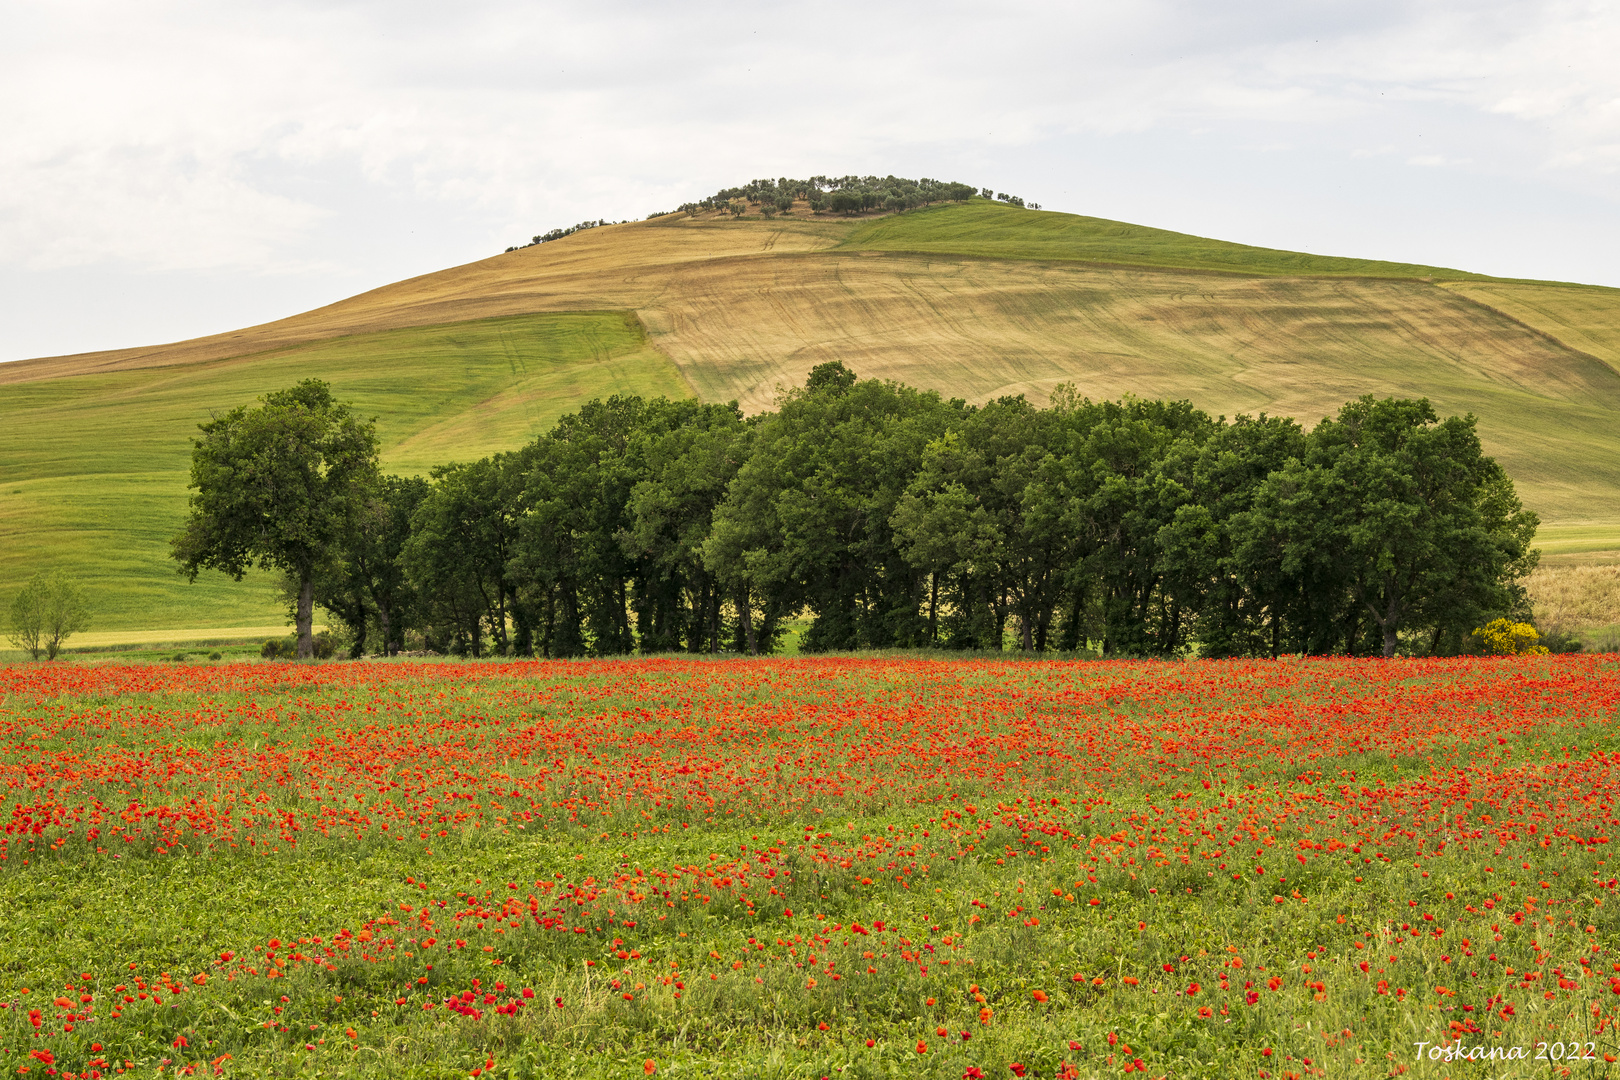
[102, 460]
[977, 300]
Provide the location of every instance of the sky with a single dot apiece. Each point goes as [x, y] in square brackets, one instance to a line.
[174, 169]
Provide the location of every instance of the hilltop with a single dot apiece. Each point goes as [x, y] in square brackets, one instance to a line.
[977, 299]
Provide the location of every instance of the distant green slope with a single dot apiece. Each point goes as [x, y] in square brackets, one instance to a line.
[97, 465]
[998, 231]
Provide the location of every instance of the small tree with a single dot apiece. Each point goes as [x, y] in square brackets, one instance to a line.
[280, 485]
[47, 610]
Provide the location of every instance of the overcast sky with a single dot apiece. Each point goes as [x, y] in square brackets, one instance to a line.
[171, 169]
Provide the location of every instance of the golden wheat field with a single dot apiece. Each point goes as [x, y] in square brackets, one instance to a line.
[618, 267]
[1575, 597]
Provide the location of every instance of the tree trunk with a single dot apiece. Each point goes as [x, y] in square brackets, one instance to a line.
[568, 641]
[1391, 620]
[385, 630]
[692, 620]
[548, 639]
[522, 625]
[1072, 640]
[499, 642]
[998, 614]
[305, 617]
[745, 613]
[621, 620]
[933, 608]
[1043, 623]
[497, 622]
[714, 620]
[358, 649]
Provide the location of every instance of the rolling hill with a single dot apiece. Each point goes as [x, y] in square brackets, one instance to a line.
[976, 300]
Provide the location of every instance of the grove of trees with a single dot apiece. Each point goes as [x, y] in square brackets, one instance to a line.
[846, 195]
[838, 194]
[892, 518]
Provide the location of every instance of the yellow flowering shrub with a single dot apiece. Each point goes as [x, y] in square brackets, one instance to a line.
[1500, 637]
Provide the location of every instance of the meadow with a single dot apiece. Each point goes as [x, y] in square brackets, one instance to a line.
[882, 866]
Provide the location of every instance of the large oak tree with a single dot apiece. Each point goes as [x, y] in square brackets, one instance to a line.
[281, 485]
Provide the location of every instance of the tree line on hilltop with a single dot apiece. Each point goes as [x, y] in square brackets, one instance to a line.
[894, 517]
[557, 234]
[846, 195]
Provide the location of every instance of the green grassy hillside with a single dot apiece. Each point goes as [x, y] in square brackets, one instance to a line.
[998, 231]
[1581, 316]
[976, 300]
[97, 465]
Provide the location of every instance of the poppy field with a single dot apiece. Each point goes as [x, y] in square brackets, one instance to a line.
[812, 867]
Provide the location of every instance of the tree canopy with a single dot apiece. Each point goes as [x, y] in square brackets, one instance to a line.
[286, 485]
[891, 517]
[845, 195]
[894, 518]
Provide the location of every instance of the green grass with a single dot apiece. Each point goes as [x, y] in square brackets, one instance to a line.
[1584, 317]
[97, 466]
[1559, 539]
[1286, 333]
[198, 651]
[997, 231]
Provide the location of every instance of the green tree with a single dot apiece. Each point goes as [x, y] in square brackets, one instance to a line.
[573, 573]
[1238, 605]
[463, 532]
[944, 530]
[1395, 521]
[366, 586]
[1036, 550]
[977, 519]
[688, 454]
[1116, 483]
[280, 485]
[807, 521]
[47, 610]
